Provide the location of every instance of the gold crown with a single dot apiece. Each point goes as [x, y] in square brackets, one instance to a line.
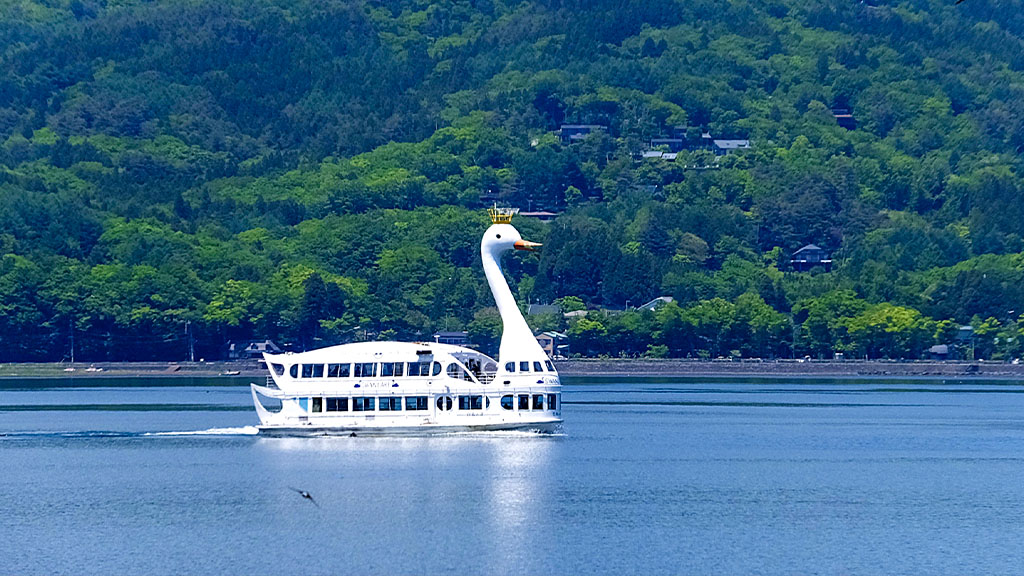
[501, 215]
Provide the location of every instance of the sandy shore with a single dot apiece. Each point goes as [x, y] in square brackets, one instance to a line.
[586, 367]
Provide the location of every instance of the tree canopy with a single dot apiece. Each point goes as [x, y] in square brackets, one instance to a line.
[313, 172]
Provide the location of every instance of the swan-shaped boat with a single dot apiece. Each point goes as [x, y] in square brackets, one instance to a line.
[419, 387]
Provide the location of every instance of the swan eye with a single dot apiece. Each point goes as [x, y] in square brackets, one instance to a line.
[498, 236]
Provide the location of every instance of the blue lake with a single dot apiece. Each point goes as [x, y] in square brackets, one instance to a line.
[651, 475]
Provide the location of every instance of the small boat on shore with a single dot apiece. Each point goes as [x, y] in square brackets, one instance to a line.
[419, 387]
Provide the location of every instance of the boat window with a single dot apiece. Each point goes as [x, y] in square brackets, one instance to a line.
[294, 371]
[391, 404]
[524, 401]
[524, 366]
[538, 401]
[444, 402]
[506, 402]
[338, 370]
[415, 402]
[537, 367]
[391, 368]
[471, 402]
[366, 370]
[487, 401]
[318, 370]
[318, 404]
[510, 366]
[419, 368]
[363, 403]
[457, 371]
[552, 402]
[437, 369]
[337, 404]
[551, 367]
[307, 370]
[278, 369]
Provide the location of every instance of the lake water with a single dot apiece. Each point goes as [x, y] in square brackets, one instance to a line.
[651, 476]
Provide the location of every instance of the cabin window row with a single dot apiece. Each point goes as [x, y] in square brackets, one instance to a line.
[525, 366]
[467, 402]
[370, 403]
[361, 369]
[529, 401]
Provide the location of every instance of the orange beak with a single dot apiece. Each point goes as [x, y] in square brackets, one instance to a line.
[527, 245]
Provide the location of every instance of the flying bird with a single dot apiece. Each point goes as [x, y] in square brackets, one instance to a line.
[305, 495]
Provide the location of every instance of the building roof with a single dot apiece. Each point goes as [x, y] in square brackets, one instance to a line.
[732, 144]
[554, 335]
[444, 334]
[656, 303]
[653, 154]
[808, 248]
[533, 309]
[539, 214]
[939, 349]
[670, 156]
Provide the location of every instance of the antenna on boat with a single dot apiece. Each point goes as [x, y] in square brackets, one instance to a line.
[501, 215]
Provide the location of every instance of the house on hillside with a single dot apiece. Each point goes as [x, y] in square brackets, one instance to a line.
[809, 257]
[722, 147]
[542, 215]
[250, 349]
[460, 338]
[673, 144]
[570, 133]
[844, 118]
[537, 309]
[554, 343]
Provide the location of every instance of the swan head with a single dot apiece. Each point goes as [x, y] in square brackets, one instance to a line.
[500, 238]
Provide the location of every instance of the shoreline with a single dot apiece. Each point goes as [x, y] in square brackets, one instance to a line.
[598, 367]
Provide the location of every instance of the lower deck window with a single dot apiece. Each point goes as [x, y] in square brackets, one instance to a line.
[416, 403]
[337, 404]
[318, 404]
[524, 401]
[391, 404]
[552, 402]
[471, 402]
[506, 402]
[363, 403]
[510, 367]
[537, 367]
[538, 401]
[524, 366]
[551, 367]
[444, 403]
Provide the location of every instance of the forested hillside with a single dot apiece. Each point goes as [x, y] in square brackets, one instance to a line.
[313, 171]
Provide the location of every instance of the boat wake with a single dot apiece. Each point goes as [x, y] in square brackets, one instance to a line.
[239, 431]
